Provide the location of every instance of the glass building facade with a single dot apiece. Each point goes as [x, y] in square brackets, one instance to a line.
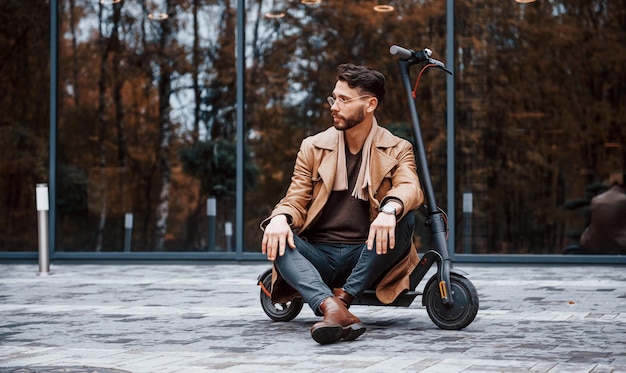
[168, 129]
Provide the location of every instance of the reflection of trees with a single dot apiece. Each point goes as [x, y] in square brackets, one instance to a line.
[24, 80]
[146, 67]
[539, 95]
[213, 163]
[539, 109]
[294, 72]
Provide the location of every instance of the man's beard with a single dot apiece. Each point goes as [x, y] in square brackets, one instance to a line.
[350, 122]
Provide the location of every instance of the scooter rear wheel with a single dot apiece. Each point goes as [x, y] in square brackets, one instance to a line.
[465, 307]
[278, 311]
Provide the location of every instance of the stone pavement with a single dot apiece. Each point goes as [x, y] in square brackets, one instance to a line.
[206, 317]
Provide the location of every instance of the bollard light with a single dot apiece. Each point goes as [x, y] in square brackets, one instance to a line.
[42, 197]
[468, 208]
[128, 221]
[468, 199]
[211, 206]
[43, 205]
[128, 231]
[228, 230]
[211, 212]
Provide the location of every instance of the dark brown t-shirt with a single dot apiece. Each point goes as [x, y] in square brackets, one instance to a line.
[345, 219]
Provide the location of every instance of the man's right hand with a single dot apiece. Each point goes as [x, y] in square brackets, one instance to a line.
[276, 236]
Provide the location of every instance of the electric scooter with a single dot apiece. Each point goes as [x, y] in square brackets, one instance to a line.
[451, 300]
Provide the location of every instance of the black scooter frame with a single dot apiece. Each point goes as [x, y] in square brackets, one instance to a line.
[435, 219]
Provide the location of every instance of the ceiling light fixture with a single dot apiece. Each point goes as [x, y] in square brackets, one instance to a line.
[110, 2]
[524, 1]
[158, 16]
[384, 8]
[310, 2]
[275, 15]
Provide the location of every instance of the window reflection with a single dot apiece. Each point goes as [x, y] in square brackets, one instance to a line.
[147, 126]
[147, 115]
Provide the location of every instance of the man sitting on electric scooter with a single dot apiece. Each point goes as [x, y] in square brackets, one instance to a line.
[346, 218]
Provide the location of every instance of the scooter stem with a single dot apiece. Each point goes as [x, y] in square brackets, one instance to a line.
[422, 169]
[434, 218]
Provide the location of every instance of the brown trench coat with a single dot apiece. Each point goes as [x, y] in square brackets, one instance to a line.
[607, 232]
[393, 174]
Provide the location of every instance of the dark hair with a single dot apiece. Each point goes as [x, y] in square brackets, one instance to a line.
[363, 79]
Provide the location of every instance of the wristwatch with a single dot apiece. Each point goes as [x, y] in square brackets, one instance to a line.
[388, 209]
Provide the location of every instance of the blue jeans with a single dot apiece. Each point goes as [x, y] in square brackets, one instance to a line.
[314, 269]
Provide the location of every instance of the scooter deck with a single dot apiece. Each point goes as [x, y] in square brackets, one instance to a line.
[368, 298]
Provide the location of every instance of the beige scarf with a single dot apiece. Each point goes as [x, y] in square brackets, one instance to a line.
[363, 179]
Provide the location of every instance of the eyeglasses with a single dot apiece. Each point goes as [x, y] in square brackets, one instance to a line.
[342, 101]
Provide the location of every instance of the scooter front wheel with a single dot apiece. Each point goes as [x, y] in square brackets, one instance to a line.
[465, 307]
[278, 311]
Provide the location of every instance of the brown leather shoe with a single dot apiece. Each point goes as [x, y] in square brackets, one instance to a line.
[343, 296]
[338, 323]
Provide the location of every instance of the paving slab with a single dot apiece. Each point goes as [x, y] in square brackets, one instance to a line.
[206, 317]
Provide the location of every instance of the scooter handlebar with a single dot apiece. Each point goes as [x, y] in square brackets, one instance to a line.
[407, 54]
[414, 57]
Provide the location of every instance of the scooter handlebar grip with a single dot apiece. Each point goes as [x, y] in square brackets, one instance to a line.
[402, 53]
